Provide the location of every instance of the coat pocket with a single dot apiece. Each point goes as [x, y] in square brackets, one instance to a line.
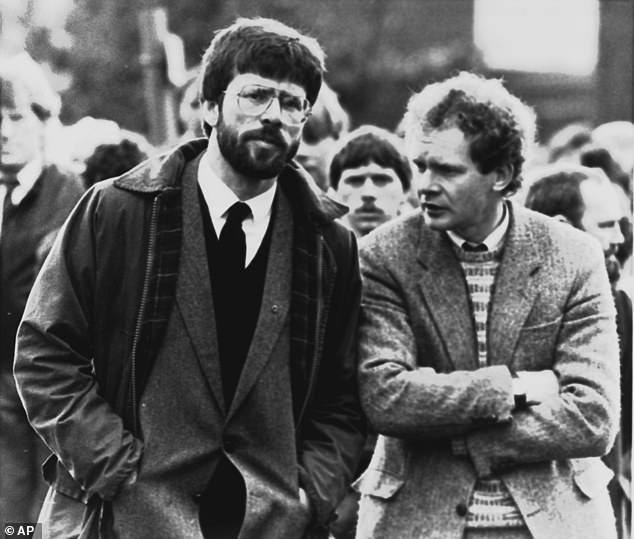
[591, 476]
[378, 483]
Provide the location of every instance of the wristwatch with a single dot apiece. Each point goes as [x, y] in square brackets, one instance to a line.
[519, 393]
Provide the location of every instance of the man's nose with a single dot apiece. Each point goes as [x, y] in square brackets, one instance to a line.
[425, 183]
[616, 236]
[273, 112]
[368, 189]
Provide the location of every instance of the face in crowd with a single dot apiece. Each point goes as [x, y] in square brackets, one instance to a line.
[454, 194]
[258, 124]
[258, 83]
[467, 138]
[370, 174]
[22, 131]
[373, 193]
[584, 198]
[601, 220]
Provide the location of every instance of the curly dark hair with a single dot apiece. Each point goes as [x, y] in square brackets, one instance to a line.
[498, 125]
[110, 160]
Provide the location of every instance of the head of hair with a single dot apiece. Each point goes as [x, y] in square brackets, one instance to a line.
[22, 79]
[328, 119]
[111, 160]
[369, 144]
[555, 190]
[594, 156]
[266, 47]
[568, 140]
[500, 128]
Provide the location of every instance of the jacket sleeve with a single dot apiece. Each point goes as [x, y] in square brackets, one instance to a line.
[583, 419]
[401, 397]
[333, 431]
[54, 368]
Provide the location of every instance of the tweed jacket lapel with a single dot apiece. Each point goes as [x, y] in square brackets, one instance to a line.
[444, 291]
[275, 304]
[515, 289]
[196, 300]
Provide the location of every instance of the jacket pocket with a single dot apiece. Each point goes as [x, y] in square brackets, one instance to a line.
[591, 476]
[378, 483]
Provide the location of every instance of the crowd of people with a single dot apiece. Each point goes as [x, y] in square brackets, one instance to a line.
[286, 327]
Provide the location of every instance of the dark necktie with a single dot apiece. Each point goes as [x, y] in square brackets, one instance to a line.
[474, 248]
[10, 182]
[232, 242]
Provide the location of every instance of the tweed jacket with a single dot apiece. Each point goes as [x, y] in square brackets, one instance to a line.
[93, 329]
[421, 386]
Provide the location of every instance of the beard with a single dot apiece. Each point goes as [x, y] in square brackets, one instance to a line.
[250, 160]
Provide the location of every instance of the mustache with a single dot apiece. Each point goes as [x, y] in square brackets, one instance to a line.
[271, 135]
[369, 207]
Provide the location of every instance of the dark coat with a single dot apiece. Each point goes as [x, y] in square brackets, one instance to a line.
[27, 228]
[103, 300]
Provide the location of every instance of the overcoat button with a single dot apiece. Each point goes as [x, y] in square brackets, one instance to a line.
[274, 309]
[461, 509]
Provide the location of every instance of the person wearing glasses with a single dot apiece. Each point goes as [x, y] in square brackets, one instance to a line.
[188, 350]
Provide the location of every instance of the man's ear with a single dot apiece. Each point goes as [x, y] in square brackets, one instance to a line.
[210, 113]
[503, 176]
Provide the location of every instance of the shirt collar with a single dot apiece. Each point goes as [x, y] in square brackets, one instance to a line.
[219, 197]
[27, 176]
[494, 239]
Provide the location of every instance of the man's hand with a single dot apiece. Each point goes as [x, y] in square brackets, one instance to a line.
[539, 386]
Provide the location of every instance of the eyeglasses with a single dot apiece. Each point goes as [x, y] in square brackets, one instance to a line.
[255, 100]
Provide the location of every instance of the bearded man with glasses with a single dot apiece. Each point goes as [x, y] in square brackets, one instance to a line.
[188, 350]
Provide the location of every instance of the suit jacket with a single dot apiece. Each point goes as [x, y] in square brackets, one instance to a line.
[93, 334]
[420, 384]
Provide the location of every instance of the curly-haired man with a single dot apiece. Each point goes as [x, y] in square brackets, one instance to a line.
[488, 347]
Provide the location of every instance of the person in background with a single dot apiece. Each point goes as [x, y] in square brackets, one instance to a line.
[488, 350]
[371, 175]
[586, 199]
[189, 110]
[618, 138]
[35, 198]
[188, 350]
[567, 143]
[327, 122]
[110, 160]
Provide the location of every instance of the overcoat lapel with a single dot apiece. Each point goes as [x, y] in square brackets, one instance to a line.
[445, 293]
[195, 301]
[275, 305]
[515, 289]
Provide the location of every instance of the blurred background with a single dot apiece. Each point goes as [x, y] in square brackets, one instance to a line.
[128, 61]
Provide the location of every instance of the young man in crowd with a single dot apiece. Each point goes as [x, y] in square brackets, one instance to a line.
[370, 174]
[586, 199]
[35, 198]
[488, 348]
[188, 351]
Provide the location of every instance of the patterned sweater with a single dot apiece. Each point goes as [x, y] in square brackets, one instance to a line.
[491, 505]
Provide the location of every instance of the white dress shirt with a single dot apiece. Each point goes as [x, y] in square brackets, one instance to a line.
[219, 198]
[493, 240]
[26, 176]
